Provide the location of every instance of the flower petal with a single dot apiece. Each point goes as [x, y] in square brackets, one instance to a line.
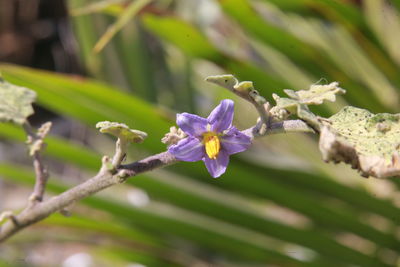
[216, 167]
[188, 149]
[221, 117]
[235, 141]
[191, 124]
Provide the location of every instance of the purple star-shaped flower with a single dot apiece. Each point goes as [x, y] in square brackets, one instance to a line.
[211, 140]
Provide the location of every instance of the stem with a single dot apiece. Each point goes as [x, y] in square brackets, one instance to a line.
[41, 178]
[120, 152]
[104, 179]
[41, 172]
[289, 126]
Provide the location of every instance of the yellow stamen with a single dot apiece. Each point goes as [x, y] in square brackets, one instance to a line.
[212, 144]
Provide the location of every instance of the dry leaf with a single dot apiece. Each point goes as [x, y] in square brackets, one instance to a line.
[368, 142]
[15, 102]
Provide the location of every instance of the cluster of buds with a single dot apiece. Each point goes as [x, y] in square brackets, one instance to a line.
[174, 136]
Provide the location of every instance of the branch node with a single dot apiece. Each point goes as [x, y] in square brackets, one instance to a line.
[8, 215]
[107, 166]
[125, 136]
[260, 128]
[122, 175]
[33, 198]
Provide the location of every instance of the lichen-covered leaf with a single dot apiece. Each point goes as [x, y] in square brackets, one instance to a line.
[368, 142]
[15, 102]
[288, 104]
[316, 94]
[121, 131]
[298, 102]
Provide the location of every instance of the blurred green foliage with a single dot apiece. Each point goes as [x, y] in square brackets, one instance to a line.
[278, 204]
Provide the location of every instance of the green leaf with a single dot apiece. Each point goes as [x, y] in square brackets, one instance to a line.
[384, 21]
[81, 221]
[368, 142]
[133, 8]
[122, 131]
[116, 253]
[182, 34]
[15, 102]
[193, 43]
[90, 101]
[255, 25]
[87, 32]
[138, 61]
[95, 7]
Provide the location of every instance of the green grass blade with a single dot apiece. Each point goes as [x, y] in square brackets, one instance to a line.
[91, 102]
[131, 11]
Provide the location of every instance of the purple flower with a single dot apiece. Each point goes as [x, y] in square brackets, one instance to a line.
[211, 140]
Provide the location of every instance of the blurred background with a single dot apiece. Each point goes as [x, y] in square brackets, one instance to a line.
[139, 62]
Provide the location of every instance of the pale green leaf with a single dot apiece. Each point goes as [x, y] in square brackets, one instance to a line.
[15, 102]
[121, 131]
[369, 142]
[298, 102]
[317, 94]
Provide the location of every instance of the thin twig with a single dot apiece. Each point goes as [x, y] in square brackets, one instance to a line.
[120, 148]
[36, 145]
[289, 126]
[41, 179]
